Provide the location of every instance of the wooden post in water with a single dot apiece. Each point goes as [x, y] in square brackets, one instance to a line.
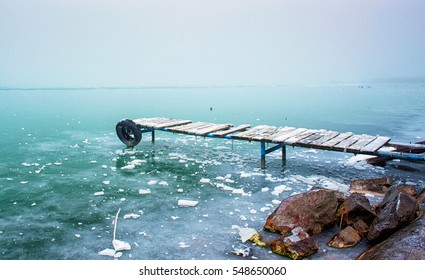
[153, 136]
[283, 152]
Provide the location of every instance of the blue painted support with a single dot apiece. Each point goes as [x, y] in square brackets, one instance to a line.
[399, 155]
[265, 151]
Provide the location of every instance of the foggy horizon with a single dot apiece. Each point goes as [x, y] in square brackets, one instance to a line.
[130, 43]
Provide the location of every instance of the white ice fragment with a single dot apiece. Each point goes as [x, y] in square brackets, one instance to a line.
[137, 162]
[107, 252]
[34, 204]
[187, 203]
[24, 182]
[77, 235]
[122, 199]
[279, 189]
[86, 141]
[265, 189]
[93, 161]
[152, 182]
[99, 193]
[220, 178]
[117, 255]
[141, 191]
[121, 190]
[205, 181]
[229, 181]
[131, 216]
[174, 217]
[183, 245]
[106, 182]
[180, 190]
[120, 245]
[275, 201]
[128, 167]
[57, 163]
[246, 233]
[163, 183]
[264, 209]
[252, 211]
[104, 166]
[26, 164]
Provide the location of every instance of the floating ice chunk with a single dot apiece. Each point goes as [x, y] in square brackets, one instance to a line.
[152, 182]
[163, 183]
[104, 166]
[106, 182]
[34, 204]
[279, 189]
[148, 191]
[117, 255]
[264, 209]
[265, 189]
[57, 163]
[183, 245]
[252, 211]
[131, 216]
[123, 199]
[180, 190]
[220, 178]
[275, 201]
[137, 162]
[99, 193]
[24, 182]
[174, 217]
[120, 245]
[229, 181]
[26, 164]
[205, 181]
[128, 167]
[77, 235]
[187, 203]
[239, 191]
[107, 252]
[86, 141]
[246, 233]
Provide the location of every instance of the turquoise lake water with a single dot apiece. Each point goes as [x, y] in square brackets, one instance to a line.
[61, 182]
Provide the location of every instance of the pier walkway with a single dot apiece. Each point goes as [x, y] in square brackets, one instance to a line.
[130, 133]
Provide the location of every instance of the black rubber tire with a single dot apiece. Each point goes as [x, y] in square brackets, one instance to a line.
[128, 132]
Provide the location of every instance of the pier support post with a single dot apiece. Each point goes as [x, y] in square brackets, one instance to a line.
[153, 136]
[263, 155]
[283, 152]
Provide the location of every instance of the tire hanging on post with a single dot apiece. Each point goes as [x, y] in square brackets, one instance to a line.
[128, 132]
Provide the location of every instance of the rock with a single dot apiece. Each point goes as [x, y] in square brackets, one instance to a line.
[420, 203]
[355, 207]
[361, 227]
[396, 210]
[375, 186]
[313, 211]
[348, 237]
[406, 244]
[297, 246]
[258, 239]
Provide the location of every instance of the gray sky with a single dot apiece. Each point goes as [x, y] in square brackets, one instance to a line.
[70, 43]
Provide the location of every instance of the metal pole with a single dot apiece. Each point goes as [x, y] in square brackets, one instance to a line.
[263, 155]
[283, 152]
[153, 136]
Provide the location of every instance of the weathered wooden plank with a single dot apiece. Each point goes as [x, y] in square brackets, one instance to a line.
[280, 131]
[200, 128]
[326, 137]
[212, 128]
[186, 127]
[250, 133]
[294, 139]
[172, 123]
[313, 137]
[265, 133]
[242, 127]
[363, 141]
[344, 144]
[295, 132]
[150, 122]
[338, 139]
[375, 145]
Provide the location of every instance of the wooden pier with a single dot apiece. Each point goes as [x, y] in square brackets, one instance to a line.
[130, 132]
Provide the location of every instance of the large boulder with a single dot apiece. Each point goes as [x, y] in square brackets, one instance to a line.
[356, 207]
[297, 246]
[397, 209]
[375, 186]
[406, 244]
[313, 211]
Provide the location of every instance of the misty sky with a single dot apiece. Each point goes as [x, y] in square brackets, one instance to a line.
[72, 43]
